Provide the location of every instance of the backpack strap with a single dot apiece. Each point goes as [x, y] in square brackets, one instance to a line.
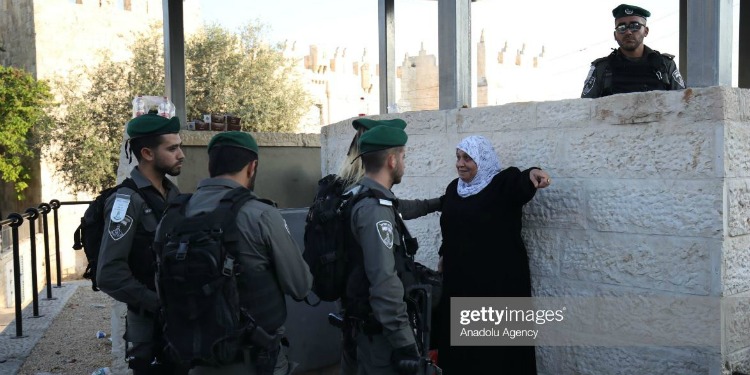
[232, 202]
[151, 202]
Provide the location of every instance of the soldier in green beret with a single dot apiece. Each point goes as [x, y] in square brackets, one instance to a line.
[271, 264]
[125, 268]
[633, 66]
[381, 258]
[352, 171]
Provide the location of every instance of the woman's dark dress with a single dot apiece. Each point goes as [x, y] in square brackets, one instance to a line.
[484, 256]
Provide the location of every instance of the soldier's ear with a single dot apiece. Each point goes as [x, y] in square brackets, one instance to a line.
[147, 154]
[645, 30]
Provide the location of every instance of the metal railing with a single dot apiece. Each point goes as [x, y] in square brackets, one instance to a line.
[31, 215]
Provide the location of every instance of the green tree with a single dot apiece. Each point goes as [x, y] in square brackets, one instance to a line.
[244, 75]
[23, 101]
[226, 72]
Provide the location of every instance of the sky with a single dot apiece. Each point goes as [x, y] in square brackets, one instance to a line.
[573, 33]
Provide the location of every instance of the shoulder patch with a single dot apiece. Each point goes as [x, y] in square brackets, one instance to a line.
[385, 231]
[669, 56]
[120, 207]
[678, 78]
[118, 229]
[590, 81]
[385, 202]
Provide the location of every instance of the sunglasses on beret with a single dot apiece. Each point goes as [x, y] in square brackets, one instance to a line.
[633, 26]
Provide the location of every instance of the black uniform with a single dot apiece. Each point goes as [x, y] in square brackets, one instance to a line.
[616, 74]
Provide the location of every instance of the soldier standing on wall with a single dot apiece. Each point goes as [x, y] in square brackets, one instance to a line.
[634, 66]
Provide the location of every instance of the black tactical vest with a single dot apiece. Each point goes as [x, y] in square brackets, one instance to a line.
[622, 75]
[142, 260]
[357, 294]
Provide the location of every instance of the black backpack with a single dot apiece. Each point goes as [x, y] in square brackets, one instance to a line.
[196, 279]
[326, 228]
[88, 235]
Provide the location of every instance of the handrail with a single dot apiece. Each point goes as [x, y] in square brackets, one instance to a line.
[14, 221]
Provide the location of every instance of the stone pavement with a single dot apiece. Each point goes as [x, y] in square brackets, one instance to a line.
[14, 351]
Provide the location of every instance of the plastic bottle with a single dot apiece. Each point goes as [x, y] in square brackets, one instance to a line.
[102, 371]
[140, 106]
[164, 108]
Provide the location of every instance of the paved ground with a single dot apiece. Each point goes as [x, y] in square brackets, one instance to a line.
[13, 350]
[63, 340]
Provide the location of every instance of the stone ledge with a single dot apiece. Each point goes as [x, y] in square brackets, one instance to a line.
[201, 138]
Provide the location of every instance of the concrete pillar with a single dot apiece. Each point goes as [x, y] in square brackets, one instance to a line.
[744, 42]
[387, 56]
[174, 57]
[454, 53]
[709, 43]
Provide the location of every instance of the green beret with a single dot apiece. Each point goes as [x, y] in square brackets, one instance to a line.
[369, 124]
[381, 138]
[234, 139]
[625, 10]
[152, 124]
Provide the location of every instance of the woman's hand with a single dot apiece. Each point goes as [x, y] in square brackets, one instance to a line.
[540, 179]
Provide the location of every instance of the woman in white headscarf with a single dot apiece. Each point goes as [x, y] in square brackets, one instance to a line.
[482, 254]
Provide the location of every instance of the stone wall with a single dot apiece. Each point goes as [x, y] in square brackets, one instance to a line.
[649, 196]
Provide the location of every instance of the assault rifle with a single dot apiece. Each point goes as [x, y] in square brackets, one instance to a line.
[419, 296]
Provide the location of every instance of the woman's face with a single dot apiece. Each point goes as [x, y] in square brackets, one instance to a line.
[465, 166]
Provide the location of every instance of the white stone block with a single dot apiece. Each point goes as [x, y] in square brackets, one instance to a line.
[633, 360]
[745, 104]
[637, 108]
[561, 205]
[547, 360]
[529, 148]
[544, 247]
[736, 265]
[738, 361]
[421, 122]
[695, 104]
[640, 261]
[658, 206]
[737, 149]
[429, 155]
[427, 231]
[571, 113]
[638, 151]
[737, 322]
[419, 187]
[492, 119]
[738, 197]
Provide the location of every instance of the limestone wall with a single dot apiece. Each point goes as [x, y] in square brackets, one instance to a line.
[649, 196]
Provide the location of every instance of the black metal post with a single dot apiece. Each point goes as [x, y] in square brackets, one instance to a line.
[45, 208]
[55, 204]
[33, 215]
[17, 221]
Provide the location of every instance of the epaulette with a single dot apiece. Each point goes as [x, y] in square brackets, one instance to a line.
[605, 58]
[667, 55]
[268, 202]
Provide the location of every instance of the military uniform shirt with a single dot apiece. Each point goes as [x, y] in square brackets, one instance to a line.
[373, 224]
[113, 272]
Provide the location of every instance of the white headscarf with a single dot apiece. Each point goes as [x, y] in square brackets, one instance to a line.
[488, 164]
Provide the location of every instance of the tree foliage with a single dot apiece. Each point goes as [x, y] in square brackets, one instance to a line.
[22, 107]
[226, 72]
